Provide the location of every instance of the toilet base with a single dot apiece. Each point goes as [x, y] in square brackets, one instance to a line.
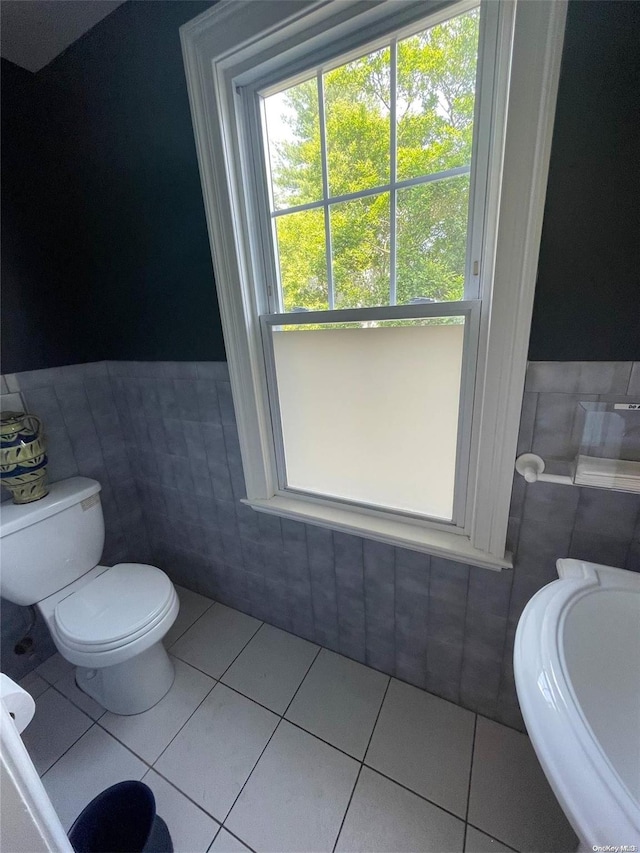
[130, 687]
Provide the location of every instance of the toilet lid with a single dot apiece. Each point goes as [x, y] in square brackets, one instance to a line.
[115, 605]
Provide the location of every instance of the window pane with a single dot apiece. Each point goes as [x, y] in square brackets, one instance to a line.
[360, 248]
[431, 240]
[293, 143]
[302, 258]
[436, 95]
[371, 414]
[357, 113]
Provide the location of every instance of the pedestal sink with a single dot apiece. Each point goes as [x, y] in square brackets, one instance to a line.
[577, 670]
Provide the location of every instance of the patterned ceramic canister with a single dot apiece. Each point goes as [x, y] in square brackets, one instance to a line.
[23, 458]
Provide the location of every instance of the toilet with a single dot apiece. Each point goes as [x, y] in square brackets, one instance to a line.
[108, 621]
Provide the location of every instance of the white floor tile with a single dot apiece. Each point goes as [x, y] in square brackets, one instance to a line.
[54, 668]
[510, 796]
[55, 726]
[213, 755]
[191, 830]
[271, 667]
[338, 701]
[425, 743]
[297, 795]
[389, 819]
[478, 842]
[192, 606]
[226, 843]
[34, 684]
[215, 639]
[147, 734]
[94, 763]
[68, 686]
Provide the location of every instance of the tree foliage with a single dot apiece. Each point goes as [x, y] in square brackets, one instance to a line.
[434, 102]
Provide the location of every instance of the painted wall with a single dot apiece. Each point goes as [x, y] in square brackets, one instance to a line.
[119, 201]
[109, 257]
[36, 317]
[587, 303]
[444, 626]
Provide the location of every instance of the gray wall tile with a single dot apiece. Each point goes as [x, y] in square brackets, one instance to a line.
[225, 401]
[213, 370]
[577, 377]
[614, 514]
[173, 492]
[553, 434]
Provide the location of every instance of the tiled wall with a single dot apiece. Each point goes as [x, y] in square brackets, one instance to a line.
[447, 627]
[86, 437]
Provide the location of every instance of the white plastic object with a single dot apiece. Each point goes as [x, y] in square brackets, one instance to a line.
[580, 695]
[531, 467]
[17, 701]
[113, 608]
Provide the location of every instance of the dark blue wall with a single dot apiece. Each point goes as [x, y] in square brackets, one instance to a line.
[36, 316]
[123, 227]
[587, 304]
[106, 253]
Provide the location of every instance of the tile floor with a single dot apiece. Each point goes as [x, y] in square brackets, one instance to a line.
[266, 742]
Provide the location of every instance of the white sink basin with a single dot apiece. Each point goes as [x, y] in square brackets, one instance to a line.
[577, 669]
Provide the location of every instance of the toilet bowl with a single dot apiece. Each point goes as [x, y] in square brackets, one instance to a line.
[108, 621]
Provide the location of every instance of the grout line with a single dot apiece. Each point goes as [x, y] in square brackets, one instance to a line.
[246, 781]
[186, 796]
[79, 707]
[315, 657]
[491, 835]
[255, 633]
[473, 750]
[213, 840]
[415, 793]
[237, 837]
[384, 696]
[355, 785]
[174, 736]
[66, 750]
[344, 816]
[191, 624]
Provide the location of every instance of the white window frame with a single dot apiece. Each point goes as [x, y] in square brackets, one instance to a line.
[222, 48]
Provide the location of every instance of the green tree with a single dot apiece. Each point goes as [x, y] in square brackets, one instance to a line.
[435, 102]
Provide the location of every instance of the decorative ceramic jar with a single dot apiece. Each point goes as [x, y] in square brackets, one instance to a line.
[23, 458]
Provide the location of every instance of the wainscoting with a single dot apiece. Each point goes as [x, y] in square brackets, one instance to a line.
[161, 438]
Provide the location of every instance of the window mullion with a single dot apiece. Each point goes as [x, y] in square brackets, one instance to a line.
[325, 191]
[434, 177]
[393, 173]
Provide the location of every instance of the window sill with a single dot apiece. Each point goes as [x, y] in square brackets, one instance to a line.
[451, 546]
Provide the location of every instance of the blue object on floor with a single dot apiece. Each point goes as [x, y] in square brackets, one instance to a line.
[121, 819]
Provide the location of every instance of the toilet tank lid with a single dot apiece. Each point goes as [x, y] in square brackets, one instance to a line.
[63, 494]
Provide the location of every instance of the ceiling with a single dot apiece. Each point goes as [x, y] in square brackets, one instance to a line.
[35, 31]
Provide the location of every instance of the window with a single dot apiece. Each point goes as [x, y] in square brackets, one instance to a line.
[368, 168]
[364, 169]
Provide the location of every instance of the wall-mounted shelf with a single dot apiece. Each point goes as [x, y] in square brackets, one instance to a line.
[587, 471]
[604, 449]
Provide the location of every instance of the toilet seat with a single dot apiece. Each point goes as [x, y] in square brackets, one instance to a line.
[116, 615]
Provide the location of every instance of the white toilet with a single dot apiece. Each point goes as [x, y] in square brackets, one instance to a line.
[108, 621]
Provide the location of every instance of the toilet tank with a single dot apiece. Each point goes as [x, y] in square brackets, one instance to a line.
[49, 543]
